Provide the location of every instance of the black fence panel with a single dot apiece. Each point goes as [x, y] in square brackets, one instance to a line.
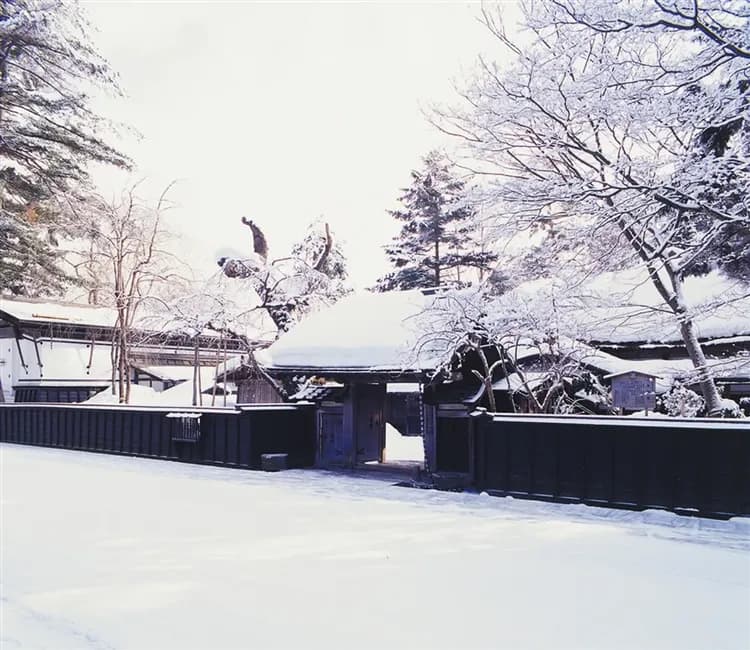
[453, 444]
[291, 431]
[700, 466]
[235, 438]
[571, 460]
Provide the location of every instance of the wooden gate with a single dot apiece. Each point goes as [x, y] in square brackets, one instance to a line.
[333, 447]
[369, 422]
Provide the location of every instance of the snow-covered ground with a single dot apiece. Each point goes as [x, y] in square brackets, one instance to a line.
[114, 552]
[398, 447]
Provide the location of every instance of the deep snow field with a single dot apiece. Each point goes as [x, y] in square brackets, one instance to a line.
[114, 552]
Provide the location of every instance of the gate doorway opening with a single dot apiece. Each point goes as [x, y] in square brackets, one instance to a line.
[358, 434]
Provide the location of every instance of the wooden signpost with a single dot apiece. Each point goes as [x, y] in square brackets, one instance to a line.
[633, 391]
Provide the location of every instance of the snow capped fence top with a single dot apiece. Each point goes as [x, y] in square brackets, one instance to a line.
[365, 331]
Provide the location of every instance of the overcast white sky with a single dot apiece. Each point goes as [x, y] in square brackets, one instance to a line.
[284, 112]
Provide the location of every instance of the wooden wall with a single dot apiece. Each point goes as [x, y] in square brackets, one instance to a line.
[235, 438]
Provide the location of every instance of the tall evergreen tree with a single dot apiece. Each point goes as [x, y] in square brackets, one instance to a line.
[728, 247]
[48, 132]
[436, 243]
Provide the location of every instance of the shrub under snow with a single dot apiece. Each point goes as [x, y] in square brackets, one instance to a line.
[679, 401]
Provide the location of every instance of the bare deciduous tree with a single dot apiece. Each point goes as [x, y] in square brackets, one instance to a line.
[122, 262]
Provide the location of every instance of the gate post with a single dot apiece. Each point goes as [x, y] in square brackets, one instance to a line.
[479, 421]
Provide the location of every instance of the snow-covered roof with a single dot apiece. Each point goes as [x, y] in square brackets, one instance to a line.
[139, 395]
[64, 362]
[513, 381]
[625, 307]
[41, 311]
[622, 373]
[243, 315]
[364, 331]
[179, 373]
[180, 395]
[664, 370]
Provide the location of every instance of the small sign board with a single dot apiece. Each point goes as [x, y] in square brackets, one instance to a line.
[186, 427]
[634, 391]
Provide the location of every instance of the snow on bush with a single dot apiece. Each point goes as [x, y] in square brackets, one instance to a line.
[679, 401]
[730, 409]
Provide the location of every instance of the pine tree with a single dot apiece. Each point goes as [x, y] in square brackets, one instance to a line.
[324, 254]
[28, 256]
[48, 132]
[728, 245]
[436, 243]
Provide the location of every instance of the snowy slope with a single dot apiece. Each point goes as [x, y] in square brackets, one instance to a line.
[138, 554]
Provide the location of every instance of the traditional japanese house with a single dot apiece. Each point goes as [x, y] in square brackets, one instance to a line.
[62, 352]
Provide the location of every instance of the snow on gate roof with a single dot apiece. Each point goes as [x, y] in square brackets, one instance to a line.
[366, 331]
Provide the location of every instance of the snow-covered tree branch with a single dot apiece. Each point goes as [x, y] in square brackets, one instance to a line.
[632, 119]
[50, 134]
[117, 250]
[314, 274]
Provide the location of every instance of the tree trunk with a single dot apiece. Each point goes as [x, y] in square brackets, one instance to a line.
[126, 364]
[486, 378]
[218, 361]
[200, 378]
[195, 373]
[2, 394]
[114, 362]
[437, 263]
[121, 366]
[692, 345]
[695, 352]
[675, 299]
[318, 266]
[224, 369]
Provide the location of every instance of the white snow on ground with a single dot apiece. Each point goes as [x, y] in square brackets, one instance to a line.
[114, 552]
[398, 447]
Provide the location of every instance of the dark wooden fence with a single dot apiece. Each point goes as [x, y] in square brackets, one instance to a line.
[699, 466]
[234, 438]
